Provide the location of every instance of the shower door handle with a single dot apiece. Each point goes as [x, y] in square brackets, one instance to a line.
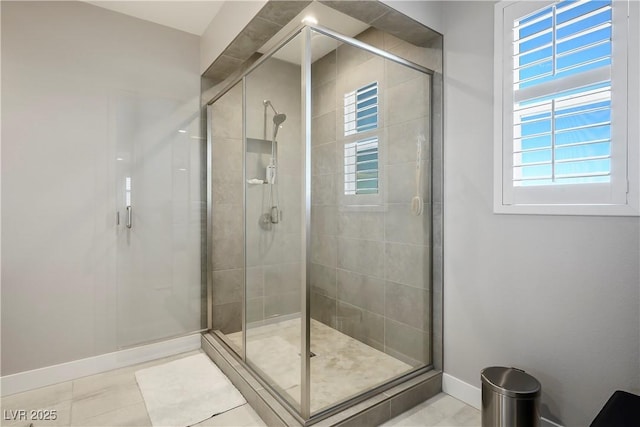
[129, 209]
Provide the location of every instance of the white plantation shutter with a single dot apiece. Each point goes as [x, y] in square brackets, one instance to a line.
[361, 109]
[564, 99]
[361, 167]
[361, 156]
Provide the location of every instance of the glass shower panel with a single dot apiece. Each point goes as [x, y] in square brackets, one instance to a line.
[226, 229]
[370, 219]
[408, 215]
[157, 148]
[274, 220]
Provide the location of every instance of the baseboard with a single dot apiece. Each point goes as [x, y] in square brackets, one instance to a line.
[472, 395]
[29, 380]
[469, 394]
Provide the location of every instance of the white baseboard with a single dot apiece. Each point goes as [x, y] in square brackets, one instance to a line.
[469, 394]
[29, 380]
[472, 395]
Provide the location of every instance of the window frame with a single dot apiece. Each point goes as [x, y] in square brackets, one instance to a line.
[618, 198]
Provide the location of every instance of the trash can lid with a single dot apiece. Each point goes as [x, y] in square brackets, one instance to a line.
[510, 381]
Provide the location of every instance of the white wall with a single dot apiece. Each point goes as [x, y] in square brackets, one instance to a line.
[82, 86]
[556, 296]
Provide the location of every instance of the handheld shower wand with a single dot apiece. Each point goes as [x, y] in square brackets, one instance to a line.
[271, 171]
[278, 119]
[416, 201]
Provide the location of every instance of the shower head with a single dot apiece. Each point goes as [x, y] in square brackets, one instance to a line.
[278, 119]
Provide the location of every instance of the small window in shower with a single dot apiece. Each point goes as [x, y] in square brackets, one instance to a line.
[361, 167]
[361, 109]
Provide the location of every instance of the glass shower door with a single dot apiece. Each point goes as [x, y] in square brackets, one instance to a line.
[274, 220]
[156, 170]
[370, 220]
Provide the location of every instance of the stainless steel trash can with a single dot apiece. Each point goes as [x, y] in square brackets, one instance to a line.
[510, 398]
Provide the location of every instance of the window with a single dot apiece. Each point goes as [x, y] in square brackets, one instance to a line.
[562, 139]
[361, 109]
[361, 155]
[361, 167]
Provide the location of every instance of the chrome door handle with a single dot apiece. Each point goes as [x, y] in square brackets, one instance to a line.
[129, 209]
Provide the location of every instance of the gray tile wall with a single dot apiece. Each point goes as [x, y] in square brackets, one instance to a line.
[226, 211]
[273, 273]
[371, 259]
[324, 211]
[273, 251]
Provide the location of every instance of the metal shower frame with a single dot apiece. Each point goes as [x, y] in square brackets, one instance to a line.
[302, 414]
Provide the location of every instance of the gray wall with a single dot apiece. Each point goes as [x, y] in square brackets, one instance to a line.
[79, 83]
[370, 271]
[227, 237]
[272, 251]
[555, 295]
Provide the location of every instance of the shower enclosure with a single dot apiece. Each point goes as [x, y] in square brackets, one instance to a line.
[320, 219]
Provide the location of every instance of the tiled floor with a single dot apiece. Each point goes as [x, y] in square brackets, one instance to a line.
[113, 399]
[110, 399]
[342, 366]
[441, 410]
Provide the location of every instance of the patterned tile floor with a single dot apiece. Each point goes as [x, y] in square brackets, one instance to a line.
[113, 399]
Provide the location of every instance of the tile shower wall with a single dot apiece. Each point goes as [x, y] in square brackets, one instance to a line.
[227, 254]
[273, 252]
[370, 273]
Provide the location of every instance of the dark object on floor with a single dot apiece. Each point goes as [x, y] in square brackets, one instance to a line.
[621, 410]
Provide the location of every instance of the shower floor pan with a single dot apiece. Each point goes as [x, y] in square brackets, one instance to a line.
[342, 368]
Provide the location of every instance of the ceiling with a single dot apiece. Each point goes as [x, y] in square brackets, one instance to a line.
[190, 16]
[320, 45]
[194, 17]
